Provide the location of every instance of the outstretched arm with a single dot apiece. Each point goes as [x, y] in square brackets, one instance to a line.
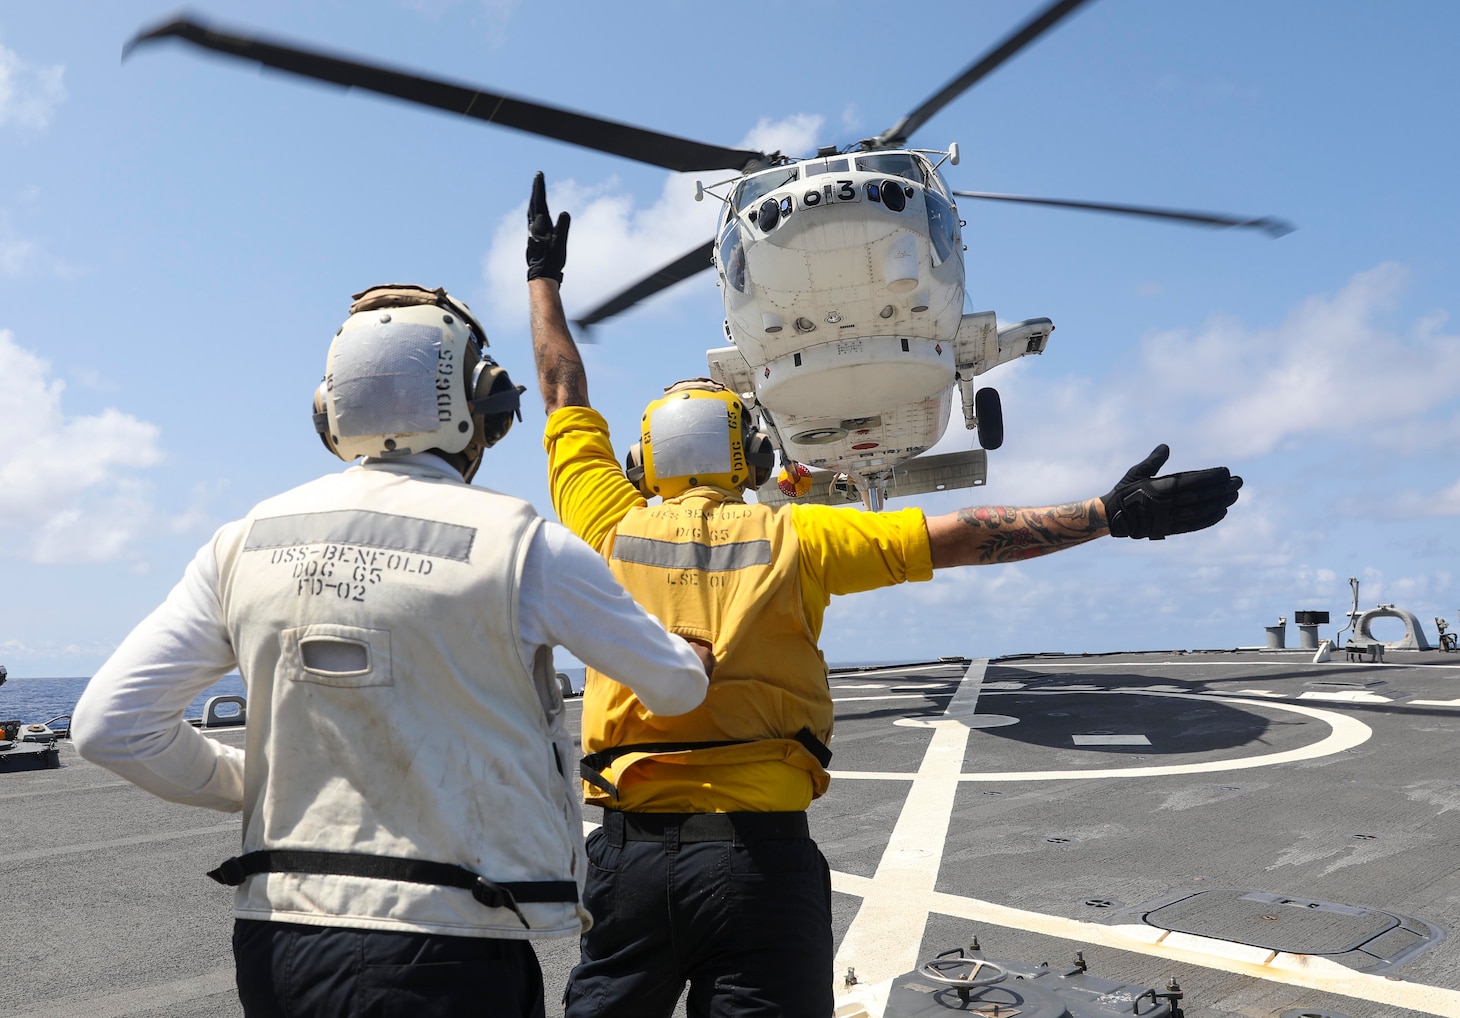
[989, 534]
[560, 373]
[1141, 505]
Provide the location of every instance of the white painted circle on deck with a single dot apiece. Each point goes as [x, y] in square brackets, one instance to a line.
[1345, 733]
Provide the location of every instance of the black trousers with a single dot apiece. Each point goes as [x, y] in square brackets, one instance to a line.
[286, 970]
[745, 920]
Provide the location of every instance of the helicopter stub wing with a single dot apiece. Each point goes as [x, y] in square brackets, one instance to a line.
[729, 367]
[981, 344]
[947, 471]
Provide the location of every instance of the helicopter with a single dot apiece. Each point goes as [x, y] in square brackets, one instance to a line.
[842, 273]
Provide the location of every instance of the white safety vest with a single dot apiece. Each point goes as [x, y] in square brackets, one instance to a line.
[374, 617]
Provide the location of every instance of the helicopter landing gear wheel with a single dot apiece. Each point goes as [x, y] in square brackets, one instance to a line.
[990, 411]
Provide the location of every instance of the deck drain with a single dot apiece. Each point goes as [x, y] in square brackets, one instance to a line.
[1301, 1013]
[1058, 841]
[1365, 939]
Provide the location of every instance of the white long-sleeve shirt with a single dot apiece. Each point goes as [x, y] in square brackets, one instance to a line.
[130, 719]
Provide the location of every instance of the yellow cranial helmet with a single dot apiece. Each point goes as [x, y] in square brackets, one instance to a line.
[698, 433]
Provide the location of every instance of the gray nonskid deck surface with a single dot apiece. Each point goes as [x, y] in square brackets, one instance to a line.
[1025, 804]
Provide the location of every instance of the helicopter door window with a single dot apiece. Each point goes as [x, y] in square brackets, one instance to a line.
[732, 258]
[933, 178]
[942, 226]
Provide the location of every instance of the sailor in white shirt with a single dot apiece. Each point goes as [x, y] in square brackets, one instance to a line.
[409, 789]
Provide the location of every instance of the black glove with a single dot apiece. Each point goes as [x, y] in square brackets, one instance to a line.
[1144, 505]
[547, 246]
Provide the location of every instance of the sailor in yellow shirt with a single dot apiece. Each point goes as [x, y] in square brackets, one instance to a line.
[704, 870]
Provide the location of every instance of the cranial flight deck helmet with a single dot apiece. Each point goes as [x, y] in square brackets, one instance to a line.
[409, 372]
[697, 433]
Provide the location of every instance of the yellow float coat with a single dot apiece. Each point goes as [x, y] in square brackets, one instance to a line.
[753, 581]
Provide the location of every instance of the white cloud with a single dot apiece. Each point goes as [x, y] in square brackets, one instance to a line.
[28, 94]
[16, 254]
[68, 491]
[1329, 414]
[19, 255]
[1334, 374]
[614, 241]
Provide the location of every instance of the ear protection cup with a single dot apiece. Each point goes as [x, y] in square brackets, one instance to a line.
[760, 454]
[634, 469]
[322, 421]
[495, 402]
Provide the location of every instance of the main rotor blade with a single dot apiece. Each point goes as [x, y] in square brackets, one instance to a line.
[1273, 226]
[681, 268]
[1021, 37]
[664, 150]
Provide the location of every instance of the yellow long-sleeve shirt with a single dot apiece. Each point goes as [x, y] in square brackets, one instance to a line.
[754, 581]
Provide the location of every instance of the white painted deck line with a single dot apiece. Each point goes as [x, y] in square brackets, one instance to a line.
[886, 696]
[885, 936]
[1110, 740]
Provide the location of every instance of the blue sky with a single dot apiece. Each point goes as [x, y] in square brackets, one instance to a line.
[179, 236]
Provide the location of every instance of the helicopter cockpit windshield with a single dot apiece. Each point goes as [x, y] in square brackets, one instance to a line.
[752, 189]
[899, 164]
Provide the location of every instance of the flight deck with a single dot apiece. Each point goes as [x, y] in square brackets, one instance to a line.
[1273, 835]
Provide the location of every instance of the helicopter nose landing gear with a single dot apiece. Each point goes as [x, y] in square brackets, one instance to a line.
[990, 411]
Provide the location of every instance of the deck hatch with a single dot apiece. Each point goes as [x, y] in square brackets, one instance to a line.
[1273, 921]
[1366, 939]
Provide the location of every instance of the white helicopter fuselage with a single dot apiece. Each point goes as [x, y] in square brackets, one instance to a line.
[844, 304]
[843, 281]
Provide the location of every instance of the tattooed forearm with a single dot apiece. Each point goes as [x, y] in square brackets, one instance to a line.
[1009, 534]
[564, 376]
[560, 373]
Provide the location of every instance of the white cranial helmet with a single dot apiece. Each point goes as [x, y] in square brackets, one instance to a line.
[409, 372]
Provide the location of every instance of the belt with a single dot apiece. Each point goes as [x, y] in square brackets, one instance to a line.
[413, 871]
[592, 766]
[692, 828]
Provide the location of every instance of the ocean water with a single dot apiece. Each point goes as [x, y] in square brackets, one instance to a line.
[32, 700]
